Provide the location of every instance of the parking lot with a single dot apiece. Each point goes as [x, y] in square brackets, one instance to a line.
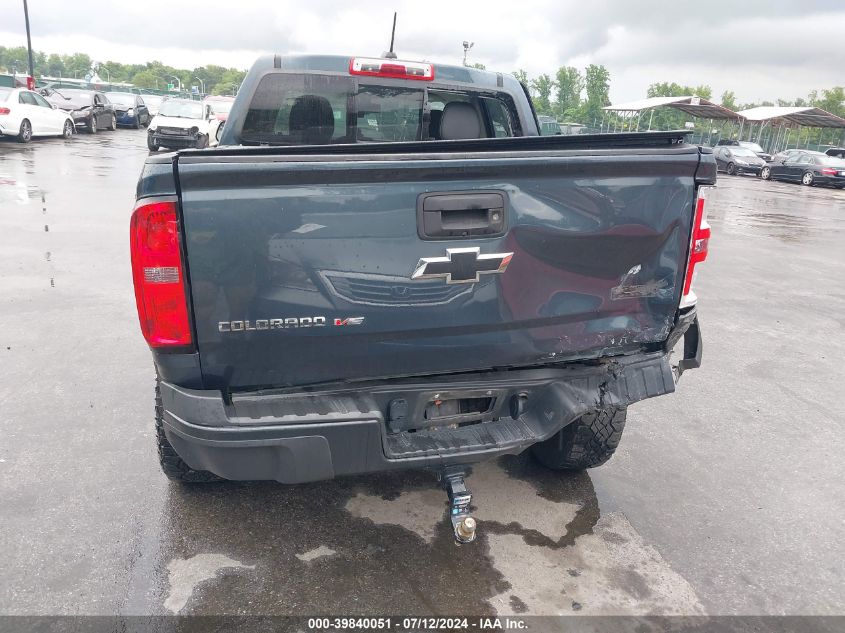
[724, 498]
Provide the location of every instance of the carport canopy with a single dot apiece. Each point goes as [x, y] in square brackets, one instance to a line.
[793, 116]
[692, 105]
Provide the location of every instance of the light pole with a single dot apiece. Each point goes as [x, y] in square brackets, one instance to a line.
[467, 46]
[28, 40]
[202, 85]
[108, 74]
[177, 79]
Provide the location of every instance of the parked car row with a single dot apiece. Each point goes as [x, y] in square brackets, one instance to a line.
[793, 165]
[171, 123]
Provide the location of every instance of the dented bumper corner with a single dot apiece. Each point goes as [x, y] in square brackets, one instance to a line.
[687, 327]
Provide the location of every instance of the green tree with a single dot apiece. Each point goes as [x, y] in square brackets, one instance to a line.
[832, 100]
[597, 87]
[569, 83]
[478, 66]
[55, 66]
[729, 100]
[148, 79]
[543, 87]
[77, 65]
[229, 82]
[521, 76]
[14, 58]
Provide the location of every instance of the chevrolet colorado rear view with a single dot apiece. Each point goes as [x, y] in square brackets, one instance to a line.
[384, 266]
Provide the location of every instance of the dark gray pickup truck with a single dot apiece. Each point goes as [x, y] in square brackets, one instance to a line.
[384, 266]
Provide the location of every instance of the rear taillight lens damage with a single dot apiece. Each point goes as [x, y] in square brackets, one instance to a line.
[159, 275]
[700, 238]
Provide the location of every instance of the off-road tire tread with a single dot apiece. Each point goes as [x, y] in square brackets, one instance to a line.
[171, 464]
[586, 443]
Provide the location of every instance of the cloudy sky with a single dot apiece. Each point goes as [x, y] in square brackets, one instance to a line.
[759, 49]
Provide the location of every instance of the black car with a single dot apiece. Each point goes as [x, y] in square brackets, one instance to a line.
[837, 152]
[130, 109]
[785, 154]
[754, 147]
[89, 108]
[808, 168]
[737, 160]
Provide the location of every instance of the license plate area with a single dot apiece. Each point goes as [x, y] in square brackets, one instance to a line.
[445, 409]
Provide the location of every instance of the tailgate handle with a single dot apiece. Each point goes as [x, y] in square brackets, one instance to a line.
[457, 214]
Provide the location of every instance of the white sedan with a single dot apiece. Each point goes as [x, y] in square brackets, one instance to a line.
[24, 114]
[182, 123]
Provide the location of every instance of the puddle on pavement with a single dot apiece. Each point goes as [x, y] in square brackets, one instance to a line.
[793, 214]
[383, 544]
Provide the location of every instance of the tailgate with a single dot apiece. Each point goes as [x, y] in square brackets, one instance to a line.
[318, 269]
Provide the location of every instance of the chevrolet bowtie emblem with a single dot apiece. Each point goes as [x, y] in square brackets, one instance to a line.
[461, 265]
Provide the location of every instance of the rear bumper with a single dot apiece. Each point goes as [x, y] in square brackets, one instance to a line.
[831, 181]
[295, 437]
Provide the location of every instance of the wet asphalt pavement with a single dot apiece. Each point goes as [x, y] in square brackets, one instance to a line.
[726, 497]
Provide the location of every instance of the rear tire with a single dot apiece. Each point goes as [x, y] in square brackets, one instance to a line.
[172, 465]
[587, 442]
[25, 133]
[808, 179]
[766, 173]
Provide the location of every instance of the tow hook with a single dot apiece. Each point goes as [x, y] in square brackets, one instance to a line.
[463, 525]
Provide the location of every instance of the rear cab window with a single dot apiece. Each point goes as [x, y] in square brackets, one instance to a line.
[315, 109]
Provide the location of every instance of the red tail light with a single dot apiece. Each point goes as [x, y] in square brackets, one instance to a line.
[158, 274]
[30, 82]
[700, 238]
[5, 111]
[827, 171]
[393, 68]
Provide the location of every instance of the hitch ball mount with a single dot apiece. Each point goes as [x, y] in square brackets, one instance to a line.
[460, 498]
